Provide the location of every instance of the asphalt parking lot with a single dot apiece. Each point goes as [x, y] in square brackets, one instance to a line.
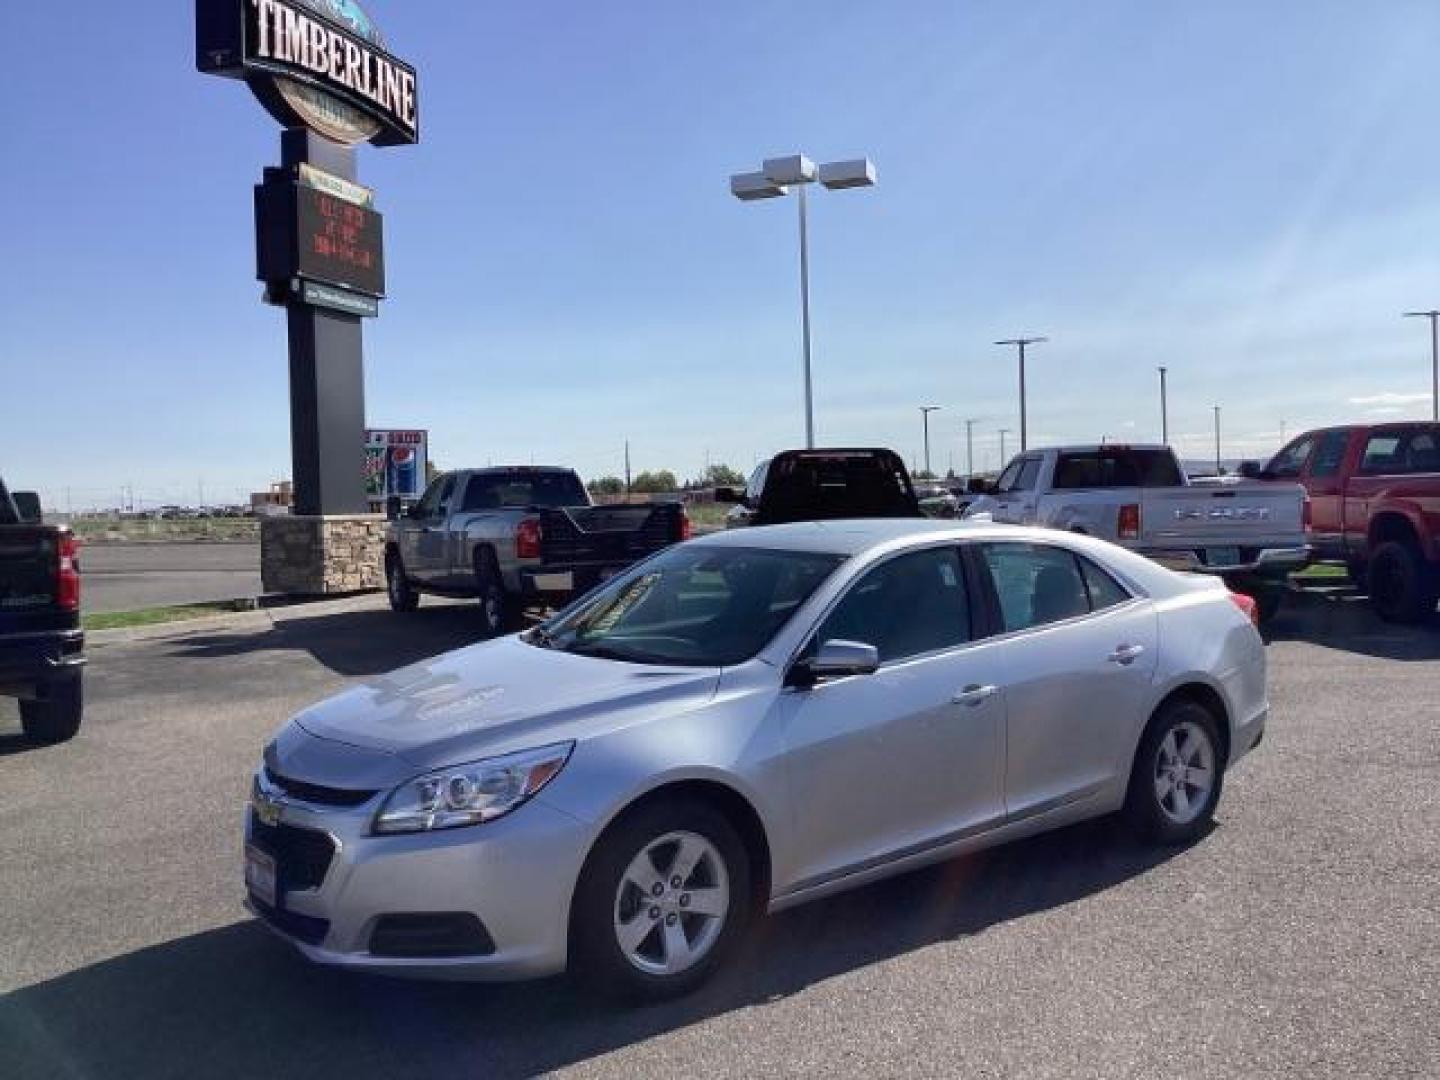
[126, 577]
[1301, 937]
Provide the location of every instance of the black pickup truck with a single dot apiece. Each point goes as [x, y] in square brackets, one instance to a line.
[822, 485]
[42, 648]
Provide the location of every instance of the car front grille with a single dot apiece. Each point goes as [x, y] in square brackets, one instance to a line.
[302, 856]
[317, 793]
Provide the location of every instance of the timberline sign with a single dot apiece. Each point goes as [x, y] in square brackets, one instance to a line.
[320, 64]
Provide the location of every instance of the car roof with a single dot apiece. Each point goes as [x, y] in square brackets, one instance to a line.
[851, 536]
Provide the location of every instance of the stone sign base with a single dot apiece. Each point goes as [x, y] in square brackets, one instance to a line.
[315, 556]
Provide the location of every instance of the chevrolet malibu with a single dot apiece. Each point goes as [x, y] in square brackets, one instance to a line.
[738, 725]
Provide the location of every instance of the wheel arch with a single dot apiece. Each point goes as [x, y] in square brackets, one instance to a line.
[1208, 697]
[1391, 525]
[739, 810]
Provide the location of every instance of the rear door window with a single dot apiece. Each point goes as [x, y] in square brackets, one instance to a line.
[1037, 584]
[1382, 454]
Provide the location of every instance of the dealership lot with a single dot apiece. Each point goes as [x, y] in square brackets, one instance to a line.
[1302, 936]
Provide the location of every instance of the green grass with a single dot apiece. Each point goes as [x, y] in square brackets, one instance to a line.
[114, 620]
[1322, 572]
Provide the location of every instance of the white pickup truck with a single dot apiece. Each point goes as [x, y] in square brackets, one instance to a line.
[1251, 534]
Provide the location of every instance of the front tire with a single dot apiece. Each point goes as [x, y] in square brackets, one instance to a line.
[1177, 775]
[54, 718]
[663, 900]
[398, 590]
[1402, 583]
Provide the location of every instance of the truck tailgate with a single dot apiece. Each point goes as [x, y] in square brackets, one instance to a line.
[607, 535]
[1243, 515]
[28, 557]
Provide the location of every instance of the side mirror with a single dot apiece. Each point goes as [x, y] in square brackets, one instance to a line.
[976, 486]
[835, 659]
[728, 495]
[1251, 470]
[392, 508]
[27, 505]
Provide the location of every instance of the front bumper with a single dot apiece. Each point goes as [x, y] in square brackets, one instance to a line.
[515, 875]
[1261, 562]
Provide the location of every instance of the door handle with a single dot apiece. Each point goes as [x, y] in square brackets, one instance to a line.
[974, 695]
[1125, 654]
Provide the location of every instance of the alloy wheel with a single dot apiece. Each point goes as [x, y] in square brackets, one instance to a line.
[672, 903]
[1184, 773]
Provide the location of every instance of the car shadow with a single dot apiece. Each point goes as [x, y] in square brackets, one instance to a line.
[236, 1002]
[1338, 617]
[349, 643]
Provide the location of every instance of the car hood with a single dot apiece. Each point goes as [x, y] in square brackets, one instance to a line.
[496, 697]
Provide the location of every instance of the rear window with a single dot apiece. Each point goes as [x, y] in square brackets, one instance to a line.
[816, 486]
[1416, 450]
[545, 489]
[1117, 468]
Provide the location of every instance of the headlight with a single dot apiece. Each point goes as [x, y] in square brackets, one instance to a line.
[470, 794]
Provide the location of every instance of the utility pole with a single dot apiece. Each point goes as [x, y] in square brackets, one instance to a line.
[925, 411]
[627, 470]
[1434, 359]
[1217, 440]
[1003, 459]
[969, 449]
[1164, 409]
[1021, 342]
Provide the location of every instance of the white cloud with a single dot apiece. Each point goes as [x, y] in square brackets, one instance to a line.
[1389, 400]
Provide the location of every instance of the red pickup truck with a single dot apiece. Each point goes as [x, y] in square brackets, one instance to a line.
[1375, 505]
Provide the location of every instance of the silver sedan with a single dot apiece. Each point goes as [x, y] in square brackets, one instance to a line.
[740, 724]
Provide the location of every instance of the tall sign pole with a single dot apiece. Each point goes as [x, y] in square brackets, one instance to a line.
[321, 68]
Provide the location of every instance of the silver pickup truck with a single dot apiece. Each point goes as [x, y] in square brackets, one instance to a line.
[514, 536]
[1251, 534]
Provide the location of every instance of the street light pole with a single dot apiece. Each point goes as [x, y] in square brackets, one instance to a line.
[1217, 440]
[1434, 359]
[1003, 460]
[925, 411]
[1021, 342]
[775, 178]
[1164, 410]
[969, 450]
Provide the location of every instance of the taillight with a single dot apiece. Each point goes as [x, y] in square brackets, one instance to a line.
[1248, 606]
[685, 528]
[1129, 524]
[67, 574]
[527, 539]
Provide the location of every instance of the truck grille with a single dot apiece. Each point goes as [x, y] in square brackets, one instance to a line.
[302, 856]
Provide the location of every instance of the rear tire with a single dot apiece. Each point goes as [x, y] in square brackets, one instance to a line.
[1268, 603]
[1177, 775]
[498, 611]
[55, 718]
[1401, 583]
[650, 945]
[398, 590]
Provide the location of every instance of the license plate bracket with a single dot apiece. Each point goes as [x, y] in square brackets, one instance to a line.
[261, 876]
[1222, 556]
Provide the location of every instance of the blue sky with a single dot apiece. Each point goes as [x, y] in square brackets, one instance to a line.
[1247, 192]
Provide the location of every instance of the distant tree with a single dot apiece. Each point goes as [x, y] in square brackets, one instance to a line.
[652, 482]
[922, 474]
[721, 476]
[607, 485]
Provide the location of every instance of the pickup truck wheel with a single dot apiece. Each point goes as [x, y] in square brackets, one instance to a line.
[54, 718]
[1402, 584]
[401, 593]
[1268, 603]
[497, 608]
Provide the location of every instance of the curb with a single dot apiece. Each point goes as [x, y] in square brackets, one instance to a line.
[259, 619]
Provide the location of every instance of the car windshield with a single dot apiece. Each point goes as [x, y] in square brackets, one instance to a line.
[691, 605]
[492, 491]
